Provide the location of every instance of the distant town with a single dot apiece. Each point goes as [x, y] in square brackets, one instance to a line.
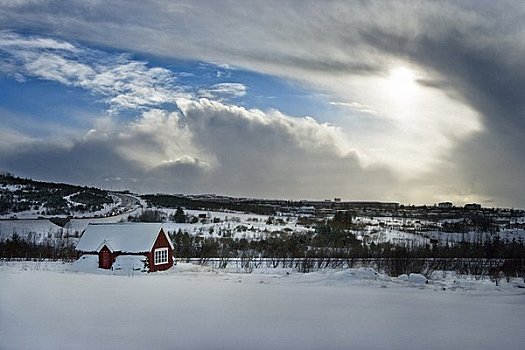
[321, 210]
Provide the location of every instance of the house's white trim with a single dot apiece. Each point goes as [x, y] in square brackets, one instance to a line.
[160, 256]
[104, 243]
[167, 238]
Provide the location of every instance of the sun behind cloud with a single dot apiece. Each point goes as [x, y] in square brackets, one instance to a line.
[402, 82]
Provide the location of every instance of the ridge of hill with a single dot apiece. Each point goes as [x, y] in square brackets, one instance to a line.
[21, 196]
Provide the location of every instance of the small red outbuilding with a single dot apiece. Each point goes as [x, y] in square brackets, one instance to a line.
[110, 241]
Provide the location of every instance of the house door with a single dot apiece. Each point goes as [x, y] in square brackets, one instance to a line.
[106, 259]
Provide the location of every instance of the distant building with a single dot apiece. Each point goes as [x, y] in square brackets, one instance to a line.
[113, 242]
[445, 205]
[307, 210]
[373, 205]
[473, 206]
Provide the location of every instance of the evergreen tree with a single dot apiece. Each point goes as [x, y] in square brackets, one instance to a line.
[179, 216]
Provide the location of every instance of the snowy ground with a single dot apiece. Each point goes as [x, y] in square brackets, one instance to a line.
[390, 229]
[48, 306]
[241, 225]
[31, 230]
[123, 205]
[255, 225]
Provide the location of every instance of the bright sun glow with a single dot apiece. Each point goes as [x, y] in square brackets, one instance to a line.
[402, 81]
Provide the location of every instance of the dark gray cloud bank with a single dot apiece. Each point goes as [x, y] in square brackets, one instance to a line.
[470, 51]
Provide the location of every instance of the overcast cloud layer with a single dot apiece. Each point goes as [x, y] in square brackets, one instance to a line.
[429, 97]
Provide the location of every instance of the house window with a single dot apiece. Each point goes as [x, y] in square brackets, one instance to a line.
[161, 256]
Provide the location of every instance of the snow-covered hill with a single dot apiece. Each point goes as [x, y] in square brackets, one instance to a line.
[30, 199]
[28, 205]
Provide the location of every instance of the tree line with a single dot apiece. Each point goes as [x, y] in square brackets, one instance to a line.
[326, 241]
[173, 201]
[15, 247]
[332, 246]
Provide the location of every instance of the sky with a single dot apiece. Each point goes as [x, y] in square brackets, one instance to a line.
[416, 102]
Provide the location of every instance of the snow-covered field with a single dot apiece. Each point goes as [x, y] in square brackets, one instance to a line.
[250, 226]
[46, 305]
[409, 232]
[254, 226]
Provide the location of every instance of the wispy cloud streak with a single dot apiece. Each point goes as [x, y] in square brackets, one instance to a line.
[123, 83]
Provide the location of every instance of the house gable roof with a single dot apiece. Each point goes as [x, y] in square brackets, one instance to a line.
[105, 243]
[126, 238]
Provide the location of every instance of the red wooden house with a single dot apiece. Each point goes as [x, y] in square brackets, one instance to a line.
[114, 242]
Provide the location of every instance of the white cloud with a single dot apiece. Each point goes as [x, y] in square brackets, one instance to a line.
[356, 106]
[224, 91]
[210, 146]
[215, 135]
[13, 41]
[54, 67]
[159, 138]
[123, 83]
[219, 121]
